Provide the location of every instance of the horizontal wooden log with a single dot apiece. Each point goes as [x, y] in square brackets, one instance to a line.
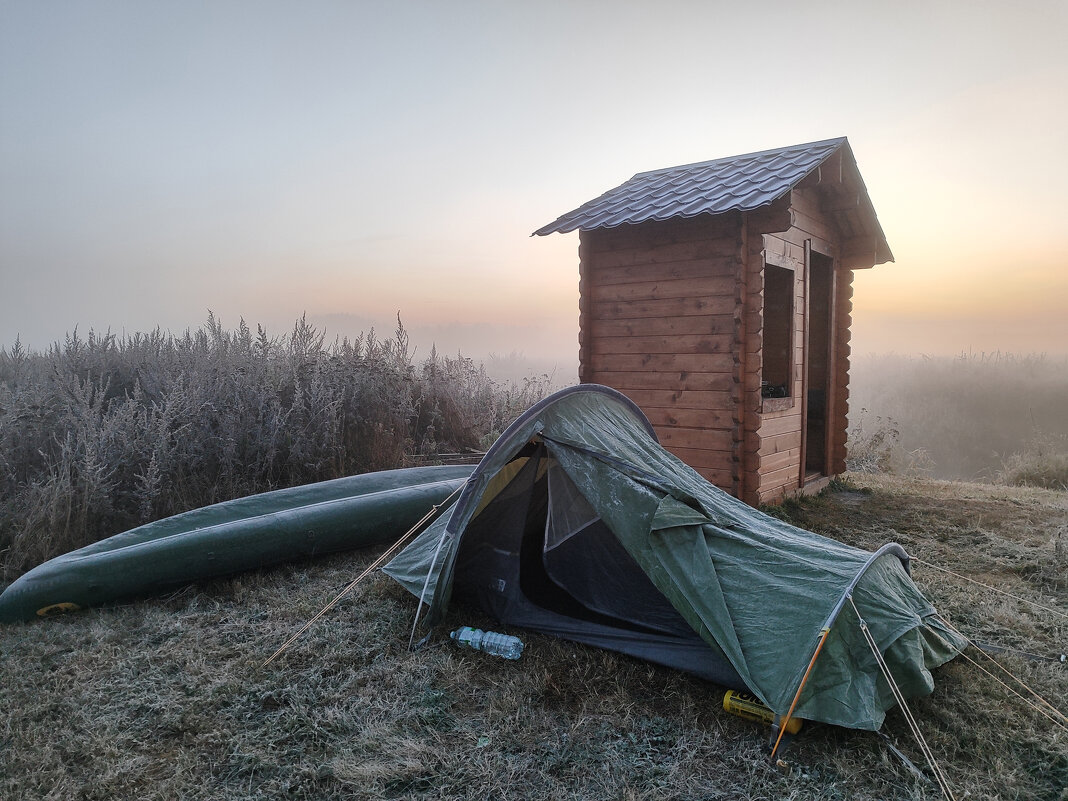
[661, 233]
[662, 362]
[793, 243]
[846, 202]
[777, 461]
[659, 290]
[786, 477]
[690, 343]
[780, 423]
[723, 266]
[787, 263]
[651, 399]
[818, 228]
[699, 458]
[665, 326]
[720, 478]
[671, 307]
[779, 443]
[807, 201]
[810, 218]
[753, 418]
[768, 496]
[853, 223]
[650, 253]
[774, 245]
[708, 439]
[676, 382]
[721, 418]
[775, 217]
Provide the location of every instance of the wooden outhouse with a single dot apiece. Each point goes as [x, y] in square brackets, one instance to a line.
[717, 297]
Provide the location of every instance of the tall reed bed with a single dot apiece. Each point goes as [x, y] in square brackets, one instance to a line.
[102, 433]
[987, 416]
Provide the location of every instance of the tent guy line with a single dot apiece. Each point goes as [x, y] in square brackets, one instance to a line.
[1035, 604]
[389, 552]
[910, 719]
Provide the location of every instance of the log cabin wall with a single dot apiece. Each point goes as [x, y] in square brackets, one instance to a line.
[659, 317]
[674, 314]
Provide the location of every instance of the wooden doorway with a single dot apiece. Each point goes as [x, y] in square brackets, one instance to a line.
[818, 366]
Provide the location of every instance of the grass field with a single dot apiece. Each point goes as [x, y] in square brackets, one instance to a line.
[975, 417]
[165, 699]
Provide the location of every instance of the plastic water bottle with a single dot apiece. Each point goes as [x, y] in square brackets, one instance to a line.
[489, 641]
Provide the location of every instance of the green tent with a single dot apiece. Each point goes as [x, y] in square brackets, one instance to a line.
[578, 523]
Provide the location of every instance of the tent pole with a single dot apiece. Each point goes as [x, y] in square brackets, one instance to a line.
[800, 687]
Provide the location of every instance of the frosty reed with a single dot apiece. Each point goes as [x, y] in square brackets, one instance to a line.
[102, 433]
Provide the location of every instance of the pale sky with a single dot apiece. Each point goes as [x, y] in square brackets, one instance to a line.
[350, 160]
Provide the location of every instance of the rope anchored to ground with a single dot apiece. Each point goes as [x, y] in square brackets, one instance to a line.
[389, 554]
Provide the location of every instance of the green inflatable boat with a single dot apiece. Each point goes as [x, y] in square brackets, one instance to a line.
[233, 536]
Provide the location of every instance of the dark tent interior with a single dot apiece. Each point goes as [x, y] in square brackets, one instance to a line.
[538, 556]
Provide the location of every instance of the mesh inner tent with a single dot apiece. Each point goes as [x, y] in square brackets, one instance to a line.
[538, 556]
[586, 560]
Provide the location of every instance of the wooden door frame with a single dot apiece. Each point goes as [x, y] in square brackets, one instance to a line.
[830, 385]
[806, 285]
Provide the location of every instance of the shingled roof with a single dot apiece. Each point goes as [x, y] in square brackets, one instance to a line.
[737, 183]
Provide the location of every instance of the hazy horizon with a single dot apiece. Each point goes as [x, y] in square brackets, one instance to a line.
[348, 161]
[515, 353]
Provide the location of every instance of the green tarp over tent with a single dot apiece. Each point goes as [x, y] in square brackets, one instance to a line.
[578, 523]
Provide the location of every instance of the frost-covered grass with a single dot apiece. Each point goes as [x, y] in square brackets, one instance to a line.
[976, 417]
[104, 433]
[165, 698]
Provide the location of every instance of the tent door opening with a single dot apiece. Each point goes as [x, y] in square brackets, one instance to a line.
[538, 556]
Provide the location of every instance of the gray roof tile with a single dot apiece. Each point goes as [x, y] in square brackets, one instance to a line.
[737, 183]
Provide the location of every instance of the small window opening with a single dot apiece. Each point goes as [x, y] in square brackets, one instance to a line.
[777, 376]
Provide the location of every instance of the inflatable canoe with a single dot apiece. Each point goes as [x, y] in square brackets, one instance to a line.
[229, 537]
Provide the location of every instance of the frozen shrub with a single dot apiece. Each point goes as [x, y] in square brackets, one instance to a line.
[103, 433]
[872, 444]
[1043, 464]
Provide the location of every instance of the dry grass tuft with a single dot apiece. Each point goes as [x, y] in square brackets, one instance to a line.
[1042, 465]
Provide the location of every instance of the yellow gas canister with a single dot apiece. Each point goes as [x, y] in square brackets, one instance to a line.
[750, 707]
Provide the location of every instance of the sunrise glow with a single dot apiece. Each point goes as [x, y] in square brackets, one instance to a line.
[162, 160]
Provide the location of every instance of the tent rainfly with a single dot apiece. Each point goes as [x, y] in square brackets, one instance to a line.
[577, 523]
